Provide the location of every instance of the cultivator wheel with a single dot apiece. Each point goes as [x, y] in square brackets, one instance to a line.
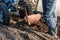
[42, 26]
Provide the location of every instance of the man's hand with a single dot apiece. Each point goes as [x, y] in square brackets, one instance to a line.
[33, 19]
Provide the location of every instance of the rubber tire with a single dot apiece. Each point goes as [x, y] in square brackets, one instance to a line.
[5, 11]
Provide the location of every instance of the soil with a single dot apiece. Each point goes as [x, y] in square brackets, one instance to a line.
[22, 31]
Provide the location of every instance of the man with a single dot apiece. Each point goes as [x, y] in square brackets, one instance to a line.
[50, 16]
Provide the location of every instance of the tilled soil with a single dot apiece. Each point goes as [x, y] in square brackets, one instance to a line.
[22, 31]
